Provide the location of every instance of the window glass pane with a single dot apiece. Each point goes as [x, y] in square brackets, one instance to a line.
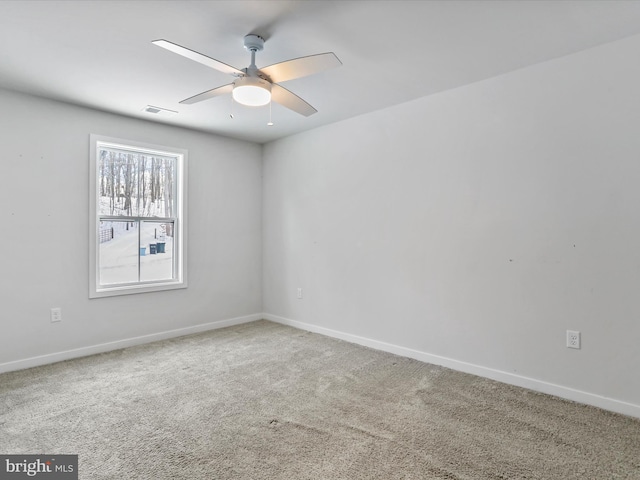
[156, 192]
[117, 183]
[118, 255]
[135, 184]
[156, 241]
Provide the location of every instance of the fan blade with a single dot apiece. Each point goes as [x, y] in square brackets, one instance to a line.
[301, 67]
[209, 94]
[290, 100]
[198, 57]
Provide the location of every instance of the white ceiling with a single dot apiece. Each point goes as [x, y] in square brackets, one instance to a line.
[99, 53]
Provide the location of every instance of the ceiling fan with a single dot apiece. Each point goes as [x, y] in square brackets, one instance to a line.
[258, 86]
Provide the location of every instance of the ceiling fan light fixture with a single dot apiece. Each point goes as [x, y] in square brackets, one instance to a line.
[252, 91]
[254, 86]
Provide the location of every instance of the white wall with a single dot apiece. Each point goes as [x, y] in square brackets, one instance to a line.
[474, 227]
[44, 193]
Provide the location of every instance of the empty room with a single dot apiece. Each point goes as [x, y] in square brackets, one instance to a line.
[265, 239]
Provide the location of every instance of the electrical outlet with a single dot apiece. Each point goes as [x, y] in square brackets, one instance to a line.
[56, 315]
[573, 339]
[299, 292]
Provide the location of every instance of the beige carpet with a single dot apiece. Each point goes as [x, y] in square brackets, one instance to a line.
[265, 401]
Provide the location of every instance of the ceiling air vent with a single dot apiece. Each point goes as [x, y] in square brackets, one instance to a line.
[158, 110]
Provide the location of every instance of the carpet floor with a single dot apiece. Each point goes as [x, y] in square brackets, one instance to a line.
[266, 401]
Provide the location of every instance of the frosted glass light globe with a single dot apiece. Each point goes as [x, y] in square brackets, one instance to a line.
[252, 91]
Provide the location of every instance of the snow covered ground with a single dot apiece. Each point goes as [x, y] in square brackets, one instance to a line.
[118, 258]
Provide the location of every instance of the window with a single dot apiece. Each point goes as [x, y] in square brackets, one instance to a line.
[138, 217]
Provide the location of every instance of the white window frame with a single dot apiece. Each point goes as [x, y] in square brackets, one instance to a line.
[180, 226]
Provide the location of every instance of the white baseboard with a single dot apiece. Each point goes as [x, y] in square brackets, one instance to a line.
[499, 375]
[128, 342]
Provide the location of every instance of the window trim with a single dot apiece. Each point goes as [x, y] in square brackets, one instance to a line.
[180, 225]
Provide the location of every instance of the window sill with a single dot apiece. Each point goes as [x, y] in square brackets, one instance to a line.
[135, 289]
